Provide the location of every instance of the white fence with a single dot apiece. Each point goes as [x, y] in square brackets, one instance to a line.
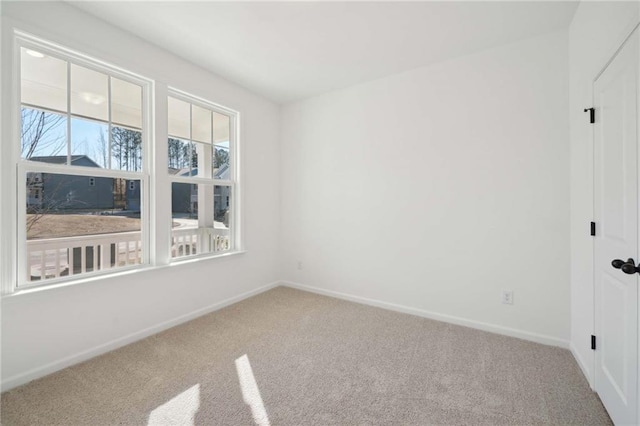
[190, 241]
[58, 257]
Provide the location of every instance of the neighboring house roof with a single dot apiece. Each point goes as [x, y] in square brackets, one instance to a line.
[187, 172]
[220, 173]
[62, 159]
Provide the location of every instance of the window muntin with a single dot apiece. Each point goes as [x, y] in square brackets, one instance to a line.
[77, 112]
[200, 164]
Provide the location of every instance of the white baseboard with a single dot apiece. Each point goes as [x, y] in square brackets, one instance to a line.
[36, 373]
[493, 328]
[582, 365]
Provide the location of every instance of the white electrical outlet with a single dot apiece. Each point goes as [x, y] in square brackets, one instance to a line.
[507, 297]
[299, 265]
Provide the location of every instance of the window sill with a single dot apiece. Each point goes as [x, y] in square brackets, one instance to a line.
[201, 257]
[22, 292]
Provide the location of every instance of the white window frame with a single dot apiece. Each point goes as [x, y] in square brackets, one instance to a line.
[236, 245]
[24, 40]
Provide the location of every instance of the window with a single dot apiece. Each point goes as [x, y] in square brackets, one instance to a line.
[84, 170]
[81, 122]
[200, 152]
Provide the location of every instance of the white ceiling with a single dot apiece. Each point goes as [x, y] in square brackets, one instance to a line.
[291, 50]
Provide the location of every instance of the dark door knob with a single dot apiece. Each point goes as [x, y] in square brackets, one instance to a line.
[617, 263]
[628, 267]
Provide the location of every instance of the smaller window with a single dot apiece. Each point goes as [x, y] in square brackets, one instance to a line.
[92, 181]
[201, 145]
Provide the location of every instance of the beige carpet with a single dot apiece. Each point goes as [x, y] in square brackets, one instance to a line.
[288, 357]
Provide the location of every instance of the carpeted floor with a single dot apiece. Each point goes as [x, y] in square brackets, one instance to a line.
[288, 357]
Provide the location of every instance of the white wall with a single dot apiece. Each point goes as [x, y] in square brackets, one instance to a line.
[596, 32]
[437, 188]
[46, 330]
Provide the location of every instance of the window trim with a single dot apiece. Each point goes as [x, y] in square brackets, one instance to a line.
[21, 166]
[235, 219]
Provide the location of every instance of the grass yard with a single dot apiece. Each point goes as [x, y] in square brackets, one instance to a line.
[71, 225]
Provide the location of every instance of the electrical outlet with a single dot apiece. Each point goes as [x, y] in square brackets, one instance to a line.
[507, 297]
[299, 265]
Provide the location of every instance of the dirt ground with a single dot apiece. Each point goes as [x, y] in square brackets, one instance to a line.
[55, 226]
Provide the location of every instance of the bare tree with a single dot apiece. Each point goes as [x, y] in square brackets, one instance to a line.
[179, 153]
[39, 133]
[102, 149]
[126, 147]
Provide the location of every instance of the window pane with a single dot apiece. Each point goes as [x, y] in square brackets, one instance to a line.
[221, 128]
[201, 154]
[221, 164]
[89, 93]
[89, 143]
[179, 119]
[44, 134]
[43, 80]
[200, 124]
[201, 219]
[180, 157]
[187, 237]
[126, 103]
[221, 154]
[126, 149]
[80, 224]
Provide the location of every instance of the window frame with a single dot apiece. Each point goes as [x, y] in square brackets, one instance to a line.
[23, 166]
[235, 232]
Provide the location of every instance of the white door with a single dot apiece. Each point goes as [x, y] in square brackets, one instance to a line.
[616, 215]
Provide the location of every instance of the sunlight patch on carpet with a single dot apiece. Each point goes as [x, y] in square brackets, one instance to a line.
[180, 410]
[250, 391]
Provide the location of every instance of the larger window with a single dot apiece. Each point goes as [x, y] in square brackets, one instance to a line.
[201, 154]
[83, 167]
